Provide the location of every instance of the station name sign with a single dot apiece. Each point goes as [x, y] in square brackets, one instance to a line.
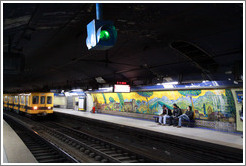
[122, 88]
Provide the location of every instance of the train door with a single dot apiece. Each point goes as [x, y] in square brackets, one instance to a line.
[27, 103]
[5, 105]
[49, 103]
[22, 103]
[11, 102]
[16, 104]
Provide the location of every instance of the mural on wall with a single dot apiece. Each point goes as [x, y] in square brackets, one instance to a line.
[207, 104]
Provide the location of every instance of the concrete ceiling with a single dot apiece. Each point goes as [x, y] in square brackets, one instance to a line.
[44, 44]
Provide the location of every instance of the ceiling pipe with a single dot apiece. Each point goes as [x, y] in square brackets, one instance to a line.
[99, 11]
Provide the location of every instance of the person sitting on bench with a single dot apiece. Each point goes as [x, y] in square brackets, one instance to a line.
[188, 115]
[165, 114]
[241, 116]
[176, 113]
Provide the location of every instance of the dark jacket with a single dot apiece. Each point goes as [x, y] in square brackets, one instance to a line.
[241, 112]
[177, 112]
[189, 114]
[167, 111]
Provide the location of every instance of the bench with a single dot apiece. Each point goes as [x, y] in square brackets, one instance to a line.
[186, 123]
[156, 118]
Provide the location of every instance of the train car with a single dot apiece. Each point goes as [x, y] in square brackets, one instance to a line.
[37, 103]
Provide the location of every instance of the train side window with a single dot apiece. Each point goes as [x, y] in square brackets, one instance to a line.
[42, 100]
[35, 99]
[27, 98]
[22, 99]
[16, 99]
[49, 100]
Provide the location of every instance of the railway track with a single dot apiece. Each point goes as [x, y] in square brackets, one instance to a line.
[95, 140]
[96, 149]
[176, 149]
[42, 150]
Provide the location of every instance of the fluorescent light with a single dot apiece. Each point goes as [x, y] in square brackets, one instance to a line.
[67, 94]
[170, 83]
[107, 89]
[77, 90]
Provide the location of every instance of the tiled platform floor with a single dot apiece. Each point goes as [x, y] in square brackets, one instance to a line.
[217, 137]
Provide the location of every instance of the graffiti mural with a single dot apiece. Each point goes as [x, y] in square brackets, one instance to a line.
[207, 104]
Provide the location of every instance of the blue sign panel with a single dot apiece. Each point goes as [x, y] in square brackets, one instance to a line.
[239, 96]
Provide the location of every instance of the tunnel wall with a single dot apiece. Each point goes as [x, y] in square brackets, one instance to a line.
[60, 101]
[214, 108]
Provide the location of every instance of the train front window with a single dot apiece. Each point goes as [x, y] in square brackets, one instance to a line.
[49, 100]
[35, 99]
[42, 100]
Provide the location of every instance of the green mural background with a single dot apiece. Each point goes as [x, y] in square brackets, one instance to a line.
[214, 105]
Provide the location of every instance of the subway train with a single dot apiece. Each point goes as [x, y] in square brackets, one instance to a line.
[38, 103]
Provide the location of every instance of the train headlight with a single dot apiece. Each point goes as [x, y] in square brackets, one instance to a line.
[49, 108]
[35, 107]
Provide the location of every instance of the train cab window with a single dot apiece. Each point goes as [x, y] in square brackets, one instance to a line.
[35, 99]
[49, 100]
[22, 99]
[6, 98]
[42, 100]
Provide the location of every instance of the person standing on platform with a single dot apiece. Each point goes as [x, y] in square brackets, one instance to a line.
[165, 114]
[241, 116]
[188, 115]
[241, 113]
[176, 113]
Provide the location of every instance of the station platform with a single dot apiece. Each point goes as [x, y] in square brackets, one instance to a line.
[14, 150]
[217, 137]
